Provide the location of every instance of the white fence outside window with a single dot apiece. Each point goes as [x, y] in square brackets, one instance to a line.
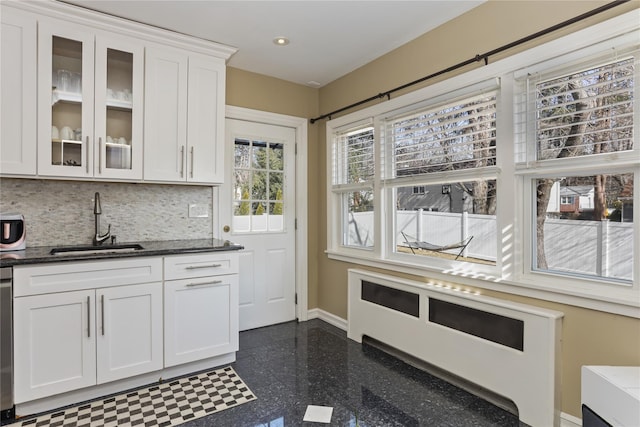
[598, 248]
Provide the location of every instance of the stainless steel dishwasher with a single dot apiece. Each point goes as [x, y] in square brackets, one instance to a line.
[6, 344]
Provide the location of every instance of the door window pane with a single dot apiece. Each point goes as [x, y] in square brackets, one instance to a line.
[276, 152]
[258, 186]
[242, 153]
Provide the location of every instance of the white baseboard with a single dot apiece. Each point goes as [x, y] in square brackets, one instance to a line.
[332, 319]
[567, 420]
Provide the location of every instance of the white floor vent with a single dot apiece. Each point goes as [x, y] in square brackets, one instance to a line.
[509, 349]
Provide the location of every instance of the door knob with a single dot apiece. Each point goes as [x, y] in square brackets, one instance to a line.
[226, 228]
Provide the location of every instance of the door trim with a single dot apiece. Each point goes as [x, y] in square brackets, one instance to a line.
[300, 125]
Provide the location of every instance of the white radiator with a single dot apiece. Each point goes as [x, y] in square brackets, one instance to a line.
[511, 349]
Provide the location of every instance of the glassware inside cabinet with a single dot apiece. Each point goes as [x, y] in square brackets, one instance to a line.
[119, 109]
[66, 102]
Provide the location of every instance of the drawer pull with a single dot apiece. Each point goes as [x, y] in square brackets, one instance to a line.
[87, 148]
[191, 162]
[215, 282]
[102, 310]
[195, 267]
[182, 161]
[88, 317]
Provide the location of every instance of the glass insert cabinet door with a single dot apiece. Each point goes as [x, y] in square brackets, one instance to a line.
[89, 104]
[118, 109]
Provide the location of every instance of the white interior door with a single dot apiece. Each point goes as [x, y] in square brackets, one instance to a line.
[258, 212]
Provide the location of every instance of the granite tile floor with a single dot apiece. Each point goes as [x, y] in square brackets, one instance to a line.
[292, 365]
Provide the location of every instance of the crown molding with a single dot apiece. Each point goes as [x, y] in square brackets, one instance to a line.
[121, 26]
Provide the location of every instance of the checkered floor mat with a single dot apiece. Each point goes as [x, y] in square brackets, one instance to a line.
[166, 404]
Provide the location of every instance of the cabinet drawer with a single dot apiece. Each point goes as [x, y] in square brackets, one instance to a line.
[201, 265]
[200, 318]
[74, 276]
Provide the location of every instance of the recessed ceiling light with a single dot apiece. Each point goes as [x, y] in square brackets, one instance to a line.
[281, 41]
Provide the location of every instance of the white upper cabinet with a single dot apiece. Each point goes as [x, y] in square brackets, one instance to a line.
[205, 119]
[165, 115]
[18, 53]
[90, 103]
[184, 117]
[90, 96]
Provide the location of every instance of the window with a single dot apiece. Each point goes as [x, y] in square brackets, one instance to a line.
[594, 238]
[584, 116]
[567, 200]
[519, 176]
[453, 139]
[585, 112]
[353, 175]
[419, 189]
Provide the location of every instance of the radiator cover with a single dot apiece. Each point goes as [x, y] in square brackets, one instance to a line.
[510, 349]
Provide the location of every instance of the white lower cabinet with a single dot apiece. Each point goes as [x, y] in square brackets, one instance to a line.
[67, 339]
[201, 306]
[201, 318]
[54, 344]
[128, 331]
[86, 325]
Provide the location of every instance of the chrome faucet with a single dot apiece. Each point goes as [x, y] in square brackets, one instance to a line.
[97, 211]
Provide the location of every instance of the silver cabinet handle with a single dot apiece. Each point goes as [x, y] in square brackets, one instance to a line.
[191, 162]
[215, 282]
[182, 161]
[88, 317]
[102, 310]
[195, 267]
[100, 147]
[87, 154]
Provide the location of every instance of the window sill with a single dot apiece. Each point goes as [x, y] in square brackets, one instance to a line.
[625, 302]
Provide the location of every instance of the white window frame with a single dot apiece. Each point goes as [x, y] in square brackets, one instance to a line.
[513, 273]
[389, 184]
[336, 191]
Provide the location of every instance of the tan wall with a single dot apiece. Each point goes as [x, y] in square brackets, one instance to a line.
[589, 337]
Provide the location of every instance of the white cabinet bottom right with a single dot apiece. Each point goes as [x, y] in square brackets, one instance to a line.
[201, 318]
[610, 396]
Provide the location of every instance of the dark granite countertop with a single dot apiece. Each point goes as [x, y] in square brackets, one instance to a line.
[42, 254]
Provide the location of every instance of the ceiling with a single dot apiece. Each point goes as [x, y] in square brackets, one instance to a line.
[328, 39]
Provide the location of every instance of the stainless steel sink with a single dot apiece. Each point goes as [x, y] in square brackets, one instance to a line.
[88, 250]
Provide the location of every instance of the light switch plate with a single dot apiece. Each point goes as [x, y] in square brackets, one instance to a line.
[198, 211]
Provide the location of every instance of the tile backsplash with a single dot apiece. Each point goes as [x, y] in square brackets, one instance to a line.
[61, 212]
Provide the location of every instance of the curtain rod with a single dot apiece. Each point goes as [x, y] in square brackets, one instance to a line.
[477, 58]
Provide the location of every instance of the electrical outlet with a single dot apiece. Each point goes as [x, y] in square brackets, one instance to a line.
[198, 211]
